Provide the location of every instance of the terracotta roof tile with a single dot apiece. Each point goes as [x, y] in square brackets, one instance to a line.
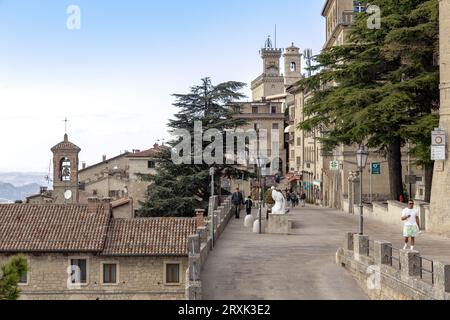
[52, 228]
[149, 237]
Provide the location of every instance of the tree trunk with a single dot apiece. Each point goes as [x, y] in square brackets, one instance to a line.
[428, 182]
[394, 158]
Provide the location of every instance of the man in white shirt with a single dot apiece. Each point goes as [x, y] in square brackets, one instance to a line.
[410, 216]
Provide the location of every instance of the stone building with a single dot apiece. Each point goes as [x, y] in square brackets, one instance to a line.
[439, 220]
[324, 184]
[115, 178]
[119, 177]
[65, 172]
[267, 111]
[85, 252]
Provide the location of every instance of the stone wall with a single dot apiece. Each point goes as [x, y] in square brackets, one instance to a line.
[373, 266]
[201, 244]
[138, 278]
[390, 212]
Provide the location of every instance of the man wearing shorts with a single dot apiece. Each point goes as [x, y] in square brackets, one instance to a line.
[410, 217]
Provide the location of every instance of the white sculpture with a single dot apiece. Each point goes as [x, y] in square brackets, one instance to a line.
[280, 202]
[249, 220]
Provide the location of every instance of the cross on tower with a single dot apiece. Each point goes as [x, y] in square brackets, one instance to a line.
[65, 125]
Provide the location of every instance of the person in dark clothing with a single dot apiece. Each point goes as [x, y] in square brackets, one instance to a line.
[249, 205]
[237, 200]
[293, 199]
[303, 199]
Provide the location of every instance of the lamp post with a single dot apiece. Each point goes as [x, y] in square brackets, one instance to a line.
[361, 159]
[211, 173]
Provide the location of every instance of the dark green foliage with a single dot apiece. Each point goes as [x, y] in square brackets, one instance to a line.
[177, 190]
[387, 90]
[11, 273]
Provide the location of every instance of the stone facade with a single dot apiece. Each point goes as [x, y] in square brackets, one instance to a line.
[138, 278]
[439, 221]
[321, 184]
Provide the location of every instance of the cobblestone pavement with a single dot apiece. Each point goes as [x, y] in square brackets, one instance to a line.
[302, 266]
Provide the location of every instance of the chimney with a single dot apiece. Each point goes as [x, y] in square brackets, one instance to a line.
[104, 157]
[83, 165]
[43, 190]
[93, 203]
[200, 216]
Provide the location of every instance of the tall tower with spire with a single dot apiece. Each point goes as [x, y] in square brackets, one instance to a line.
[65, 171]
[270, 82]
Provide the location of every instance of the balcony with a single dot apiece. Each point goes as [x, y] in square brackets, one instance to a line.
[347, 18]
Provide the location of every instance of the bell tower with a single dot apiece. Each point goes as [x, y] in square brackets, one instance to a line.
[270, 82]
[292, 65]
[65, 171]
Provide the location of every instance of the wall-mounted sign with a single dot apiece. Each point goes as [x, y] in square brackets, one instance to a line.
[334, 165]
[376, 168]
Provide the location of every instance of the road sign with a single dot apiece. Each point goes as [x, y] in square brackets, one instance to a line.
[376, 168]
[438, 153]
[334, 165]
[438, 138]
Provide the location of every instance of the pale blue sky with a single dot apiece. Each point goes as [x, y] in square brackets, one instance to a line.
[114, 77]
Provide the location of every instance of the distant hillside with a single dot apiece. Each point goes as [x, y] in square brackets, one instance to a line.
[9, 193]
[19, 179]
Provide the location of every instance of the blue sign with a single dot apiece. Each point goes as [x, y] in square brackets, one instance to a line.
[376, 168]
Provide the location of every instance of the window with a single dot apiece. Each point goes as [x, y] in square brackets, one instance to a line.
[65, 169]
[114, 193]
[110, 273]
[299, 141]
[359, 6]
[23, 280]
[79, 271]
[172, 273]
[275, 126]
[292, 154]
[254, 110]
[293, 66]
[273, 109]
[299, 161]
[151, 164]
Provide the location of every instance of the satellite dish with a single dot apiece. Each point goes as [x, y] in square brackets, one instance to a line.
[68, 195]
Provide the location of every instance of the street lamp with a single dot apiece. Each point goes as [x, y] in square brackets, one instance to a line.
[361, 159]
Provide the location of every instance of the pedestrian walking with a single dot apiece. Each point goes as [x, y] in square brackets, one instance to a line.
[411, 227]
[303, 199]
[249, 205]
[237, 199]
[293, 199]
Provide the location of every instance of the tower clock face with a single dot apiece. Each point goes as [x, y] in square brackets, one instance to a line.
[68, 195]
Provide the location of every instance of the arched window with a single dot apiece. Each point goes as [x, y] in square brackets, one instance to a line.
[293, 66]
[65, 169]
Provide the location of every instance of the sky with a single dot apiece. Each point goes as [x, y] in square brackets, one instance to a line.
[114, 77]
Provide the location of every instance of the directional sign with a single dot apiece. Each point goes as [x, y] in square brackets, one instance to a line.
[438, 153]
[376, 168]
[334, 165]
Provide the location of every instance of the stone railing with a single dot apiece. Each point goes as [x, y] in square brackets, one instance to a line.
[201, 244]
[390, 212]
[385, 274]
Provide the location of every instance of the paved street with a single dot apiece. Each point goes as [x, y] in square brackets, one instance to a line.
[301, 266]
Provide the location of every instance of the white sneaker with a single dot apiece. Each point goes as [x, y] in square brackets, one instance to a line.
[412, 248]
[405, 247]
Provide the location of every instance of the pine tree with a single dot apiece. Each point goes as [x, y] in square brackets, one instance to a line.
[387, 81]
[178, 189]
[11, 273]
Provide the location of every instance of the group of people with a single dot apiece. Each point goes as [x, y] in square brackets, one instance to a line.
[296, 198]
[237, 199]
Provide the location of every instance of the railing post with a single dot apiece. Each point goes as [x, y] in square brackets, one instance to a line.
[383, 252]
[442, 277]
[348, 245]
[410, 262]
[360, 246]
